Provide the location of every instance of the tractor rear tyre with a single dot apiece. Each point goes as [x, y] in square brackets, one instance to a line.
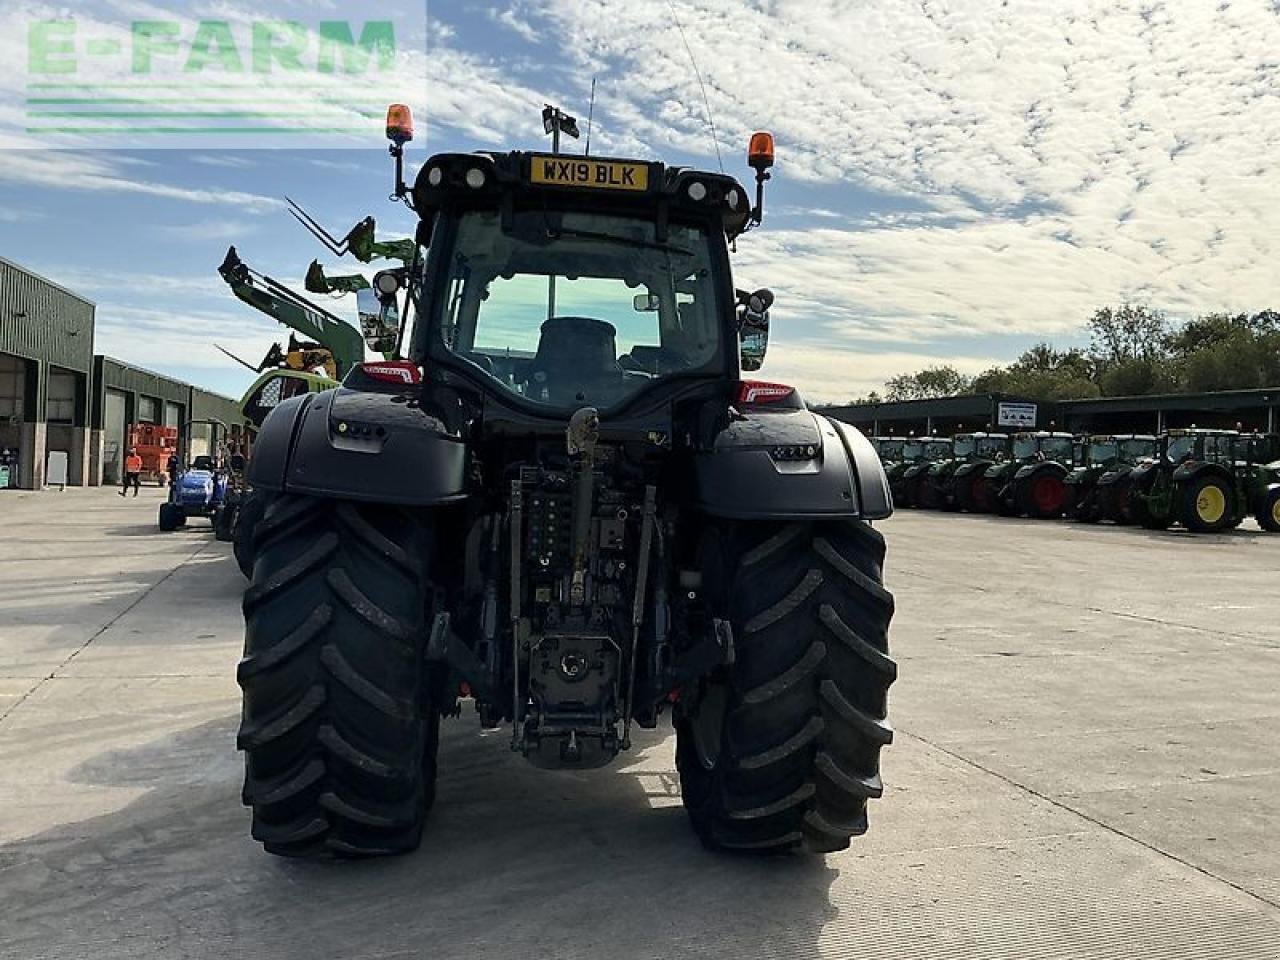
[341, 712]
[1078, 506]
[782, 749]
[224, 522]
[247, 519]
[171, 517]
[916, 493]
[1268, 510]
[1042, 496]
[1206, 505]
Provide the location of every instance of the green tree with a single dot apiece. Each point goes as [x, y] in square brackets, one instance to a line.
[1137, 376]
[928, 384]
[1221, 351]
[1126, 333]
[1043, 373]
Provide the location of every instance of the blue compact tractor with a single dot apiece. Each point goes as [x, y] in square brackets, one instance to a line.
[200, 487]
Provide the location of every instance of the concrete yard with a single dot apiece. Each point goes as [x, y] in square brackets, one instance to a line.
[1087, 765]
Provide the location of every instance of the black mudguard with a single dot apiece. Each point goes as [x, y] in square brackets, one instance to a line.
[760, 468]
[353, 445]
[1052, 466]
[973, 466]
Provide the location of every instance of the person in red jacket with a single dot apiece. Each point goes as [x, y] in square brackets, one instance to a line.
[132, 473]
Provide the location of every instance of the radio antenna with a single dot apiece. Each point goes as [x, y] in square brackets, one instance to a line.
[706, 101]
[591, 112]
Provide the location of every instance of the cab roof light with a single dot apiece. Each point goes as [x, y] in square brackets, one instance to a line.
[399, 124]
[760, 158]
[760, 151]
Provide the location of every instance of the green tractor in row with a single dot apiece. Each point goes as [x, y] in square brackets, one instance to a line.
[959, 483]
[1031, 481]
[908, 475]
[1098, 487]
[1208, 481]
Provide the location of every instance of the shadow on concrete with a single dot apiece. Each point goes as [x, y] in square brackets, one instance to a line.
[515, 862]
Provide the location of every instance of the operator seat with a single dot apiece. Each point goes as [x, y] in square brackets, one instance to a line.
[576, 355]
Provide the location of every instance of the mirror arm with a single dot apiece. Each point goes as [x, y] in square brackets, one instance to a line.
[397, 152]
[757, 214]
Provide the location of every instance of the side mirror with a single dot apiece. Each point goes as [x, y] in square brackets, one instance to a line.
[753, 328]
[646, 303]
[379, 320]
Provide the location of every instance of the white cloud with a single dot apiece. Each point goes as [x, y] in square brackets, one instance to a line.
[1072, 154]
[830, 373]
[515, 19]
[16, 215]
[78, 170]
[226, 161]
[207, 230]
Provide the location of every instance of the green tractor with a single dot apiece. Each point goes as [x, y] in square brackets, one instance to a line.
[909, 479]
[1208, 481]
[957, 483]
[1098, 485]
[889, 450]
[1032, 481]
[1256, 469]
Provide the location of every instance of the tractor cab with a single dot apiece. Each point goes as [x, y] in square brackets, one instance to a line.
[967, 447]
[890, 449]
[1193, 446]
[558, 283]
[1135, 448]
[1100, 451]
[1258, 449]
[1041, 446]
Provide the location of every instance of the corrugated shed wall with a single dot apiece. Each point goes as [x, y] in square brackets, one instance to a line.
[41, 321]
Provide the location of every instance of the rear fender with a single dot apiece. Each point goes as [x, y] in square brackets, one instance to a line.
[1187, 474]
[1033, 468]
[759, 468]
[353, 445]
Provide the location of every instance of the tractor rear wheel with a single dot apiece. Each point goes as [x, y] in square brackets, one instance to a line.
[171, 517]
[341, 713]
[247, 519]
[224, 520]
[1205, 505]
[783, 748]
[1042, 496]
[1268, 510]
[982, 495]
[1134, 504]
[1078, 506]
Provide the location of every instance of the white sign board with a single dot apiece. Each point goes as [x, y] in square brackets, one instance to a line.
[55, 473]
[1017, 415]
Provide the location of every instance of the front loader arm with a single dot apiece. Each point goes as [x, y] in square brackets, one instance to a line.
[280, 303]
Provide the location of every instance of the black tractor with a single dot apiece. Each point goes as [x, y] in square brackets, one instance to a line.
[1097, 489]
[562, 505]
[1031, 481]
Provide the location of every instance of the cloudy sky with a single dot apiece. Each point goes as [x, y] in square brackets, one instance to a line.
[956, 180]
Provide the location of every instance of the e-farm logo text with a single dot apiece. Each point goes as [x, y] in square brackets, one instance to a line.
[208, 77]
